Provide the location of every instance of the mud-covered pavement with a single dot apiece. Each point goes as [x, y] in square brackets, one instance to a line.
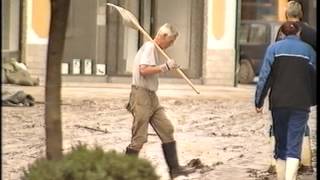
[219, 127]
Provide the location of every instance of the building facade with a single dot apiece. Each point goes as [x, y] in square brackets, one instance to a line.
[99, 48]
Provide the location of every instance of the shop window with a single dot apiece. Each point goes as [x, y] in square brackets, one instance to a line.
[244, 33]
[253, 34]
[259, 10]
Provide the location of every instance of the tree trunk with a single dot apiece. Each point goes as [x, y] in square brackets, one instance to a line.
[58, 24]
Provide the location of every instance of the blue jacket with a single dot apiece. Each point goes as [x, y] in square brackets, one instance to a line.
[289, 71]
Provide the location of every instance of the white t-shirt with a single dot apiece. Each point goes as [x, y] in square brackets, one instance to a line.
[147, 55]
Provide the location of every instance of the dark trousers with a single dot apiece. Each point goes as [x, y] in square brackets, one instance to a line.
[289, 127]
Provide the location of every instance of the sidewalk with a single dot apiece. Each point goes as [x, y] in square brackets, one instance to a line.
[122, 90]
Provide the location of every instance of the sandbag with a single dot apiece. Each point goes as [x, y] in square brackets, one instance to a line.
[14, 72]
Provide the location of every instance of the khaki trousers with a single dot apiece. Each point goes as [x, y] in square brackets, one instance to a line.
[145, 108]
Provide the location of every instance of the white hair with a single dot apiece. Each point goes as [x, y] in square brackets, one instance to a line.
[167, 29]
[294, 10]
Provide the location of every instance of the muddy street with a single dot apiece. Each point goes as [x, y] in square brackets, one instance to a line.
[219, 127]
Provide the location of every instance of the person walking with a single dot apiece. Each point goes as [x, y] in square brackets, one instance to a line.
[287, 76]
[144, 103]
[294, 12]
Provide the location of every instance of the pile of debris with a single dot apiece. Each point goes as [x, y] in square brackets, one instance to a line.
[14, 72]
[17, 99]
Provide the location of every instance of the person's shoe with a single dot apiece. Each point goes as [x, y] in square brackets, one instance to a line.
[170, 154]
[292, 165]
[132, 152]
[181, 171]
[280, 169]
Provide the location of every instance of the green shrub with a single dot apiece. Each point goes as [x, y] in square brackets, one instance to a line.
[85, 164]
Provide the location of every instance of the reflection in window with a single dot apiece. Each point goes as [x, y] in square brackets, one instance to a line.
[253, 34]
[259, 9]
[244, 32]
[258, 33]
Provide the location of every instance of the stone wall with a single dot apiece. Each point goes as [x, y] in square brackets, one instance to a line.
[220, 67]
[36, 56]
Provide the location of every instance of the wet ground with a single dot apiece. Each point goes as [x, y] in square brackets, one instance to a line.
[218, 128]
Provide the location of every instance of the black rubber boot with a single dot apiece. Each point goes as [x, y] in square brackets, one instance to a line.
[170, 154]
[132, 152]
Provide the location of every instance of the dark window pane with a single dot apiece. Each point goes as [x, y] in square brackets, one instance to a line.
[259, 10]
[244, 34]
[258, 34]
